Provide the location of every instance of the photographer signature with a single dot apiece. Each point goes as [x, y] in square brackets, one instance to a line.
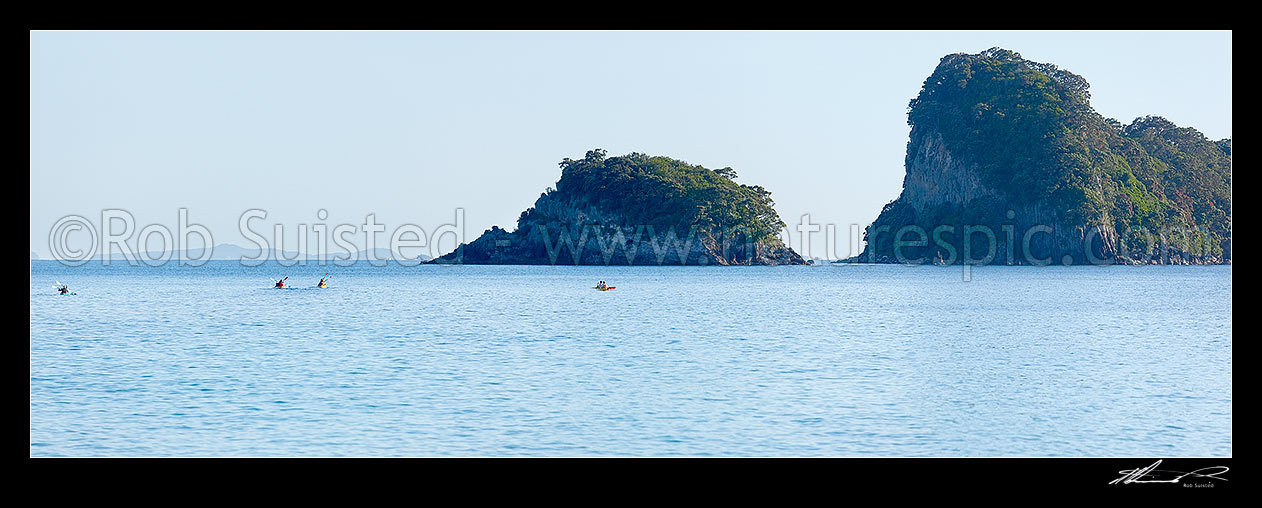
[1151, 474]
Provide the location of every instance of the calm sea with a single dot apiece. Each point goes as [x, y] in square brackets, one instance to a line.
[677, 361]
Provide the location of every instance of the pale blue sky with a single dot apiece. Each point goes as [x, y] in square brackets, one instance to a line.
[412, 125]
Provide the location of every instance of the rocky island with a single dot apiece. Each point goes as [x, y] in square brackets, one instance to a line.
[1008, 163]
[638, 209]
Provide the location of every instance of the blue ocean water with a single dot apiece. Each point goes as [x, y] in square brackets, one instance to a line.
[677, 361]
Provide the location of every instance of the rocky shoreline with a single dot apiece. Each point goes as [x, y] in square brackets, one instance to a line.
[497, 246]
[1175, 259]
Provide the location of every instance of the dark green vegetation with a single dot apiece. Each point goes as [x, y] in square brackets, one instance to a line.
[998, 141]
[639, 209]
[665, 192]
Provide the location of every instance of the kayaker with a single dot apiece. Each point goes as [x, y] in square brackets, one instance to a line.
[280, 284]
[321, 284]
[64, 289]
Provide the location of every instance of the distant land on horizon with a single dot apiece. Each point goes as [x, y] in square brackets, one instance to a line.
[233, 252]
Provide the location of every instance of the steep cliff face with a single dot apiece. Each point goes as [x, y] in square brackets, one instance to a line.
[945, 193]
[934, 177]
[1007, 163]
[638, 210]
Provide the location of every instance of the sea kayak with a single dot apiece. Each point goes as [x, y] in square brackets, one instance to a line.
[605, 289]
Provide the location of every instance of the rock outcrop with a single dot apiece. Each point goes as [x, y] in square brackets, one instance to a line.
[638, 210]
[1007, 163]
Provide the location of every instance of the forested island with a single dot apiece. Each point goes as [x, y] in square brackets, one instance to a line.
[638, 209]
[1007, 163]
[1006, 145]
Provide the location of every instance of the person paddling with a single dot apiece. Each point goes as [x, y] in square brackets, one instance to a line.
[280, 284]
[321, 284]
[64, 289]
